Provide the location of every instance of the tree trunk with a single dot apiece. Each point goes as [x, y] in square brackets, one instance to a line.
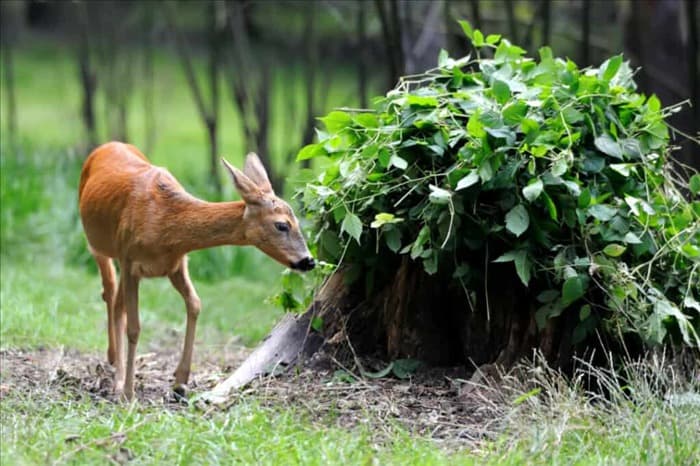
[512, 26]
[362, 56]
[9, 78]
[585, 33]
[88, 79]
[691, 12]
[208, 112]
[391, 32]
[429, 318]
[476, 15]
[546, 22]
[212, 121]
[654, 41]
[311, 52]
[421, 45]
[149, 121]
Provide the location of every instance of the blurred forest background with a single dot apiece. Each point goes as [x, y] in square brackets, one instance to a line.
[188, 81]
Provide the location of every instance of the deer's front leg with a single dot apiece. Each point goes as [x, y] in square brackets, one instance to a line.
[133, 325]
[182, 283]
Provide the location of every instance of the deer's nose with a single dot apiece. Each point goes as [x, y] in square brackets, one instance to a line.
[306, 264]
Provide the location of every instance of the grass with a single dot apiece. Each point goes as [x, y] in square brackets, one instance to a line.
[247, 434]
[559, 423]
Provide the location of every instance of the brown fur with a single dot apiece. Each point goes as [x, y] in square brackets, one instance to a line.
[139, 215]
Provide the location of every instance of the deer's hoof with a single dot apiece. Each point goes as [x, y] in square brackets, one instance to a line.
[180, 392]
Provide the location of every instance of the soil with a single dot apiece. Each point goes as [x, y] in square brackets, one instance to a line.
[435, 402]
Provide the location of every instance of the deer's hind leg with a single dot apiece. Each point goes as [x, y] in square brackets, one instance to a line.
[109, 294]
[182, 283]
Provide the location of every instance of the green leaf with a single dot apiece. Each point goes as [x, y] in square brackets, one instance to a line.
[622, 168]
[559, 167]
[571, 115]
[609, 146]
[551, 207]
[336, 120]
[439, 195]
[585, 312]
[614, 250]
[404, 368]
[514, 113]
[317, 323]
[384, 218]
[602, 212]
[573, 289]
[523, 267]
[469, 180]
[478, 39]
[384, 157]
[501, 91]
[475, 128]
[517, 220]
[694, 184]
[392, 238]
[467, 28]
[584, 200]
[310, 151]
[443, 56]
[339, 213]
[398, 162]
[352, 225]
[430, 263]
[548, 296]
[421, 101]
[492, 39]
[330, 244]
[610, 67]
[533, 189]
[631, 238]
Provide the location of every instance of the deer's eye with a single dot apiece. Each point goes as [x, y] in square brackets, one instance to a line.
[282, 226]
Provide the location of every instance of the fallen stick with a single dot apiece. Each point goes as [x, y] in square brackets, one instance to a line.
[278, 351]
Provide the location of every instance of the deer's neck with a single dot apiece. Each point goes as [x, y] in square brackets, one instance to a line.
[201, 225]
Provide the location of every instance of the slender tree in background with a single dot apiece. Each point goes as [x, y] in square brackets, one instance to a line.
[208, 111]
[362, 52]
[512, 25]
[422, 35]
[250, 80]
[654, 42]
[115, 62]
[476, 14]
[388, 12]
[691, 12]
[585, 33]
[88, 74]
[148, 78]
[311, 65]
[8, 35]
[546, 22]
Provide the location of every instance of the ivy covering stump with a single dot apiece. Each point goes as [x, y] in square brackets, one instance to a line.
[500, 203]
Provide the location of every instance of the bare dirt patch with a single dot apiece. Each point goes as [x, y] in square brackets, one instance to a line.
[433, 402]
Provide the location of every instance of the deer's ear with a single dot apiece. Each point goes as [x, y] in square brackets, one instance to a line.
[249, 191]
[256, 171]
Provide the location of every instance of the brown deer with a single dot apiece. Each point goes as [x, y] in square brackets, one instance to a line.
[141, 216]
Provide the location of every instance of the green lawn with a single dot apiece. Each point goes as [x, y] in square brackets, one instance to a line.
[50, 297]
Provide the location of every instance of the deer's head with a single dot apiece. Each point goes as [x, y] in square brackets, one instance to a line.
[269, 222]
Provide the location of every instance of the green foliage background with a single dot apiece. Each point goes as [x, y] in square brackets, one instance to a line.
[561, 171]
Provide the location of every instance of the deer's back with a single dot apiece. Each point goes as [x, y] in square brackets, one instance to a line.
[120, 197]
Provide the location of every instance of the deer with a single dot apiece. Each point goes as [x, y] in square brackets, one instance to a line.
[139, 215]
